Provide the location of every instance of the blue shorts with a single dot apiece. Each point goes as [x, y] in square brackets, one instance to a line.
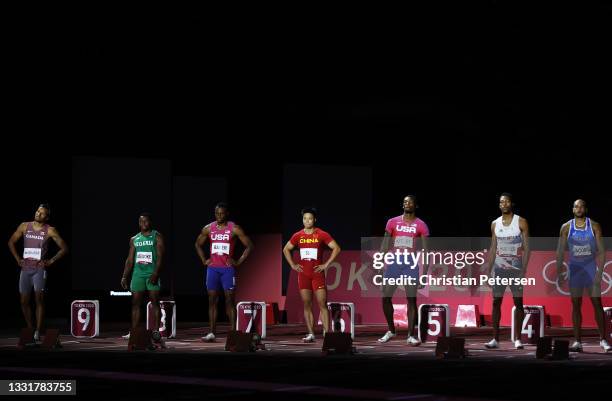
[218, 278]
[582, 275]
[397, 271]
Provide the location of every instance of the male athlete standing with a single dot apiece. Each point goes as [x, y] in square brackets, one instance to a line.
[403, 230]
[509, 253]
[586, 249]
[143, 265]
[221, 272]
[34, 263]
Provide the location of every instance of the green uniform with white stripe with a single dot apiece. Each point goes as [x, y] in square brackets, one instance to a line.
[145, 261]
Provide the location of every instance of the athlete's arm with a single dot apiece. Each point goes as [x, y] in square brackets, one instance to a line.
[561, 245]
[199, 244]
[492, 249]
[601, 250]
[287, 252]
[335, 251]
[63, 248]
[13, 240]
[386, 241]
[526, 251]
[129, 264]
[246, 241]
[161, 249]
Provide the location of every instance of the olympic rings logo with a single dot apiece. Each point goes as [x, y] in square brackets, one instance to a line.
[606, 278]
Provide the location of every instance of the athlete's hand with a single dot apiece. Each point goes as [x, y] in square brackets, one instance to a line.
[321, 268]
[297, 268]
[207, 262]
[20, 262]
[124, 283]
[46, 263]
[561, 276]
[153, 279]
[232, 262]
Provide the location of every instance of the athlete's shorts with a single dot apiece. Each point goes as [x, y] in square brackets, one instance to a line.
[141, 282]
[582, 275]
[311, 281]
[218, 278]
[499, 290]
[401, 271]
[32, 278]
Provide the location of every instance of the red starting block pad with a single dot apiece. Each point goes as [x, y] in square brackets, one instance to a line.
[532, 327]
[608, 317]
[251, 317]
[342, 317]
[400, 316]
[167, 323]
[467, 316]
[85, 318]
[433, 322]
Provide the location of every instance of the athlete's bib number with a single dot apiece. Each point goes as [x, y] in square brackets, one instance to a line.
[508, 249]
[403, 242]
[220, 248]
[32, 253]
[144, 258]
[581, 250]
[308, 253]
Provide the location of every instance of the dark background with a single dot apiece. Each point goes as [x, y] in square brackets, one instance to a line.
[454, 105]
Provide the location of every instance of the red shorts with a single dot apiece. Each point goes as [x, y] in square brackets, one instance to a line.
[311, 281]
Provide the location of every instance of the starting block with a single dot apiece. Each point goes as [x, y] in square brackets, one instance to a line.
[167, 324]
[433, 322]
[544, 347]
[251, 317]
[140, 340]
[450, 348]
[467, 316]
[532, 327]
[85, 318]
[561, 349]
[338, 343]
[26, 338]
[237, 341]
[51, 339]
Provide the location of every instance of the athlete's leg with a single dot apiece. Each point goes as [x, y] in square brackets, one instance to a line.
[39, 296]
[321, 295]
[496, 315]
[412, 314]
[600, 318]
[26, 309]
[230, 307]
[213, 299]
[576, 294]
[308, 317]
[137, 298]
[519, 316]
[387, 306]
[25, 289]
[154, 298]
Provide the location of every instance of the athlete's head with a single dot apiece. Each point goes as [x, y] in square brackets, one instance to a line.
[309, 217]
[580, 208]
[505, 203]
[145, 222]
[42, 214]
[221, 212]
[410, 203]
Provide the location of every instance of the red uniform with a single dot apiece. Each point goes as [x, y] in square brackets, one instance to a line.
[311, 248]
